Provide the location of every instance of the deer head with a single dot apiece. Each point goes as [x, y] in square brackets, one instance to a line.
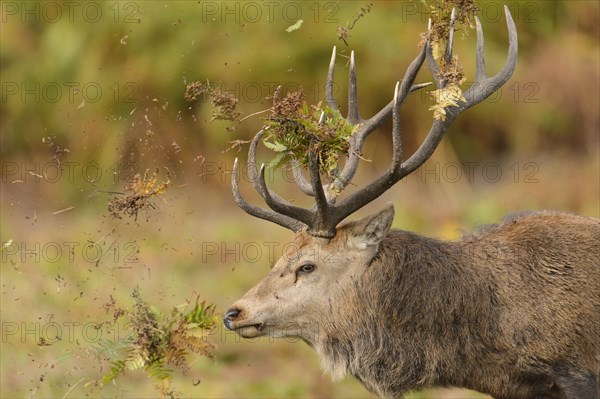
[328, 257]
[290, 300]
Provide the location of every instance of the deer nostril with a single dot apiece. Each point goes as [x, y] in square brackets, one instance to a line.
[229, 317]
[232, 314]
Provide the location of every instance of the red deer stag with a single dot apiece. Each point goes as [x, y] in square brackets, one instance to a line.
[512, 311]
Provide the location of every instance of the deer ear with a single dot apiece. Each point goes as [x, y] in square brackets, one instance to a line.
[372, 229]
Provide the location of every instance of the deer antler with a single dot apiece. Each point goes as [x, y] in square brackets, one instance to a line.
[324, 216]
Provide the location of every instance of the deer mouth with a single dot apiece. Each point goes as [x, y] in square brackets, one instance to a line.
[250, 330]
[244, 328]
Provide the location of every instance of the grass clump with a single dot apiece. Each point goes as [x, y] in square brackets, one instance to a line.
[138, 195]
[224, 104]
[293, 128]
[161, 343]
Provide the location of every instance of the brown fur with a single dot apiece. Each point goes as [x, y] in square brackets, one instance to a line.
[512, 311]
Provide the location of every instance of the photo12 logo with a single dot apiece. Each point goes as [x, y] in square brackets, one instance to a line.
[70, 252]
[70, 92]
[527, 12]
[242, 12]
[55, 171]
[71, 11]
[52, 332]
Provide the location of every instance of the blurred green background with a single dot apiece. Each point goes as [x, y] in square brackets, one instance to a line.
[97, 87]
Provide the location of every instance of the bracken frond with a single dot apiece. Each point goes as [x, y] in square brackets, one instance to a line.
[162, 343]
[293, 129]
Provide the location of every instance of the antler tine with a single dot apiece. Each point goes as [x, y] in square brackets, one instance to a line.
[418, 86]
[409, 77]
[252, 171]
[431, 64]
[329, 85]
[484, 86]
[303, 215]
[479, 55]
[450, 43]
[367, 194]
[255, 211]
[353, 116]
[302, 183]
[373, 123]
[396, 136]
[284, 212]
[320, 226]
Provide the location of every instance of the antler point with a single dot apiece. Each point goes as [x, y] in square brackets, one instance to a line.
[322, 117]
[509, 18]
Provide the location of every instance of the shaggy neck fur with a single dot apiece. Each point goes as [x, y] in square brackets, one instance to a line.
[468, 313]
[430, 301]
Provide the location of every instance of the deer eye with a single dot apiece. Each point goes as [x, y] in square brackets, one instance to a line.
[306, 268]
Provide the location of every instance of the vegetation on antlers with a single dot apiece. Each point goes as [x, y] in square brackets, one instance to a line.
[440, 12]
[294, 128]
[445, 16]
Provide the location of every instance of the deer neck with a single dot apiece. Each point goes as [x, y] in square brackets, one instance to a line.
[415, 286]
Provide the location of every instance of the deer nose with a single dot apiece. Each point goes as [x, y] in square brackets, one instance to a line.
[230, 317]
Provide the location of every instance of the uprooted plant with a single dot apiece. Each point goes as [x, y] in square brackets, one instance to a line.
[138, 195]
[161, 343]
